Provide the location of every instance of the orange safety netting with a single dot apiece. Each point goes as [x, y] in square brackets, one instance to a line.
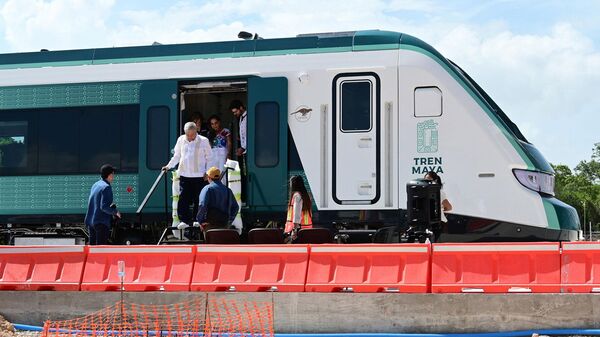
[194, 318]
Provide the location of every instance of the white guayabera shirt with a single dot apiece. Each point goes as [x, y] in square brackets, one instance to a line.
[193, 157]
[243, 132]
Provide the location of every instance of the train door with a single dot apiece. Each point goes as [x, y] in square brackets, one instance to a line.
[356, 165]
[267, 144]
[158, 118]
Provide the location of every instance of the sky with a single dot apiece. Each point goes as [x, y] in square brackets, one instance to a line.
[539, 60]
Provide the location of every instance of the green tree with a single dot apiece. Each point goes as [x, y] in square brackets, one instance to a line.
[580, 187]
[6, 140]
[591, 169]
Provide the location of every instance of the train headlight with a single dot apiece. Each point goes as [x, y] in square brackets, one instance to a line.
[536, 181]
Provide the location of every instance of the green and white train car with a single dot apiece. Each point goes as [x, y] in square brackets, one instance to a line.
[358, 114]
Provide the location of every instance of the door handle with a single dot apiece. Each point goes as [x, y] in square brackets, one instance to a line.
[365, 142]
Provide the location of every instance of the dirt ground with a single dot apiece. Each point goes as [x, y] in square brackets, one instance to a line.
[6, 329]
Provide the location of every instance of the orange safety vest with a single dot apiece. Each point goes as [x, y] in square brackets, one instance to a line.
[305, 218]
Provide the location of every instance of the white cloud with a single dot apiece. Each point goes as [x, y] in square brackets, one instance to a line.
[550, 72]
[59, 24]
[547, 83]
[415, 5]
[32, 25]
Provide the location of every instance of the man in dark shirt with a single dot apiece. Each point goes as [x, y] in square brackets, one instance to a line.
[218, 206]
[99, 214]
[201, 127]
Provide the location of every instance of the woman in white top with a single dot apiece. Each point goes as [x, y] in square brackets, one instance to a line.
[445, 205]
[299, 215]
[220, 141]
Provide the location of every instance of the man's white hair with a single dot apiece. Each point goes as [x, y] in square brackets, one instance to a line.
[189, 126]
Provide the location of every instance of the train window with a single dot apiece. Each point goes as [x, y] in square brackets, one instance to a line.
[99, 143]
[130, 133]
[266, 148]
[158, 149]
[13, 144]
[428, 102]
[110, 136]
[355, 106]
[69, 140]
[58, 141]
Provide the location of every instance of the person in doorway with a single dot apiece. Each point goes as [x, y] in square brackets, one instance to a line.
[239, 111]
[200, 125]
[220, 141]
[100, 207]
[218, 206]
[446, 206]
[192, 154]
[299, 214]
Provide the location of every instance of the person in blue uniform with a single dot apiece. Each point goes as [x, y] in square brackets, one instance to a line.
[100, 207]
[218, 206]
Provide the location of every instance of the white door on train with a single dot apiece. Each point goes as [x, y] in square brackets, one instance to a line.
[356, 138]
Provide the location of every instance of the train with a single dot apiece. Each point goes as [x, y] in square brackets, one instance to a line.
[356, 114]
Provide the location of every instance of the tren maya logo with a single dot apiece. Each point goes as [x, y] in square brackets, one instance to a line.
[427, 137]
[427, 146]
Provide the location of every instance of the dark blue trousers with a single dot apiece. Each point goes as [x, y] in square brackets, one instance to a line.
[99, 234]
[189, 195]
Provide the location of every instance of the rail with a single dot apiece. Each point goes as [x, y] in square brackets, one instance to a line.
[163, 174]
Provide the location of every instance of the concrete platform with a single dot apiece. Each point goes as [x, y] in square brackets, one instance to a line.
[347, 312]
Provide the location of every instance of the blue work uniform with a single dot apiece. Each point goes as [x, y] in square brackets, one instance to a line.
[217, 200]
[99, 214]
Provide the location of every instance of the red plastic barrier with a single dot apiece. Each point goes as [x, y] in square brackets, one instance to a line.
[580, 270]
[250, 268]
[147, 268]
[369, 268]
[496, 267]
[41, 267]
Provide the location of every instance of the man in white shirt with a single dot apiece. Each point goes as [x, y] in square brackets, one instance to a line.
[239, 110]
[193, 154]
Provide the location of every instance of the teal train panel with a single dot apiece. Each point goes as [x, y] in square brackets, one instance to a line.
[61, 194]
[69, 95]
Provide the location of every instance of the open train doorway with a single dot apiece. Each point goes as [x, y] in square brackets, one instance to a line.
[207, 103]
[264, 165]
[206, 100]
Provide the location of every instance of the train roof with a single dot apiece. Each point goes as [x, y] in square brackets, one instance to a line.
[301, 44]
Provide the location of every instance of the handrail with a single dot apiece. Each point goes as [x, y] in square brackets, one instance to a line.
[151, 191]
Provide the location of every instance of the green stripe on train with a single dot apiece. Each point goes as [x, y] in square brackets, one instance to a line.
[68, 95]
[61, 194]
[560, 215]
